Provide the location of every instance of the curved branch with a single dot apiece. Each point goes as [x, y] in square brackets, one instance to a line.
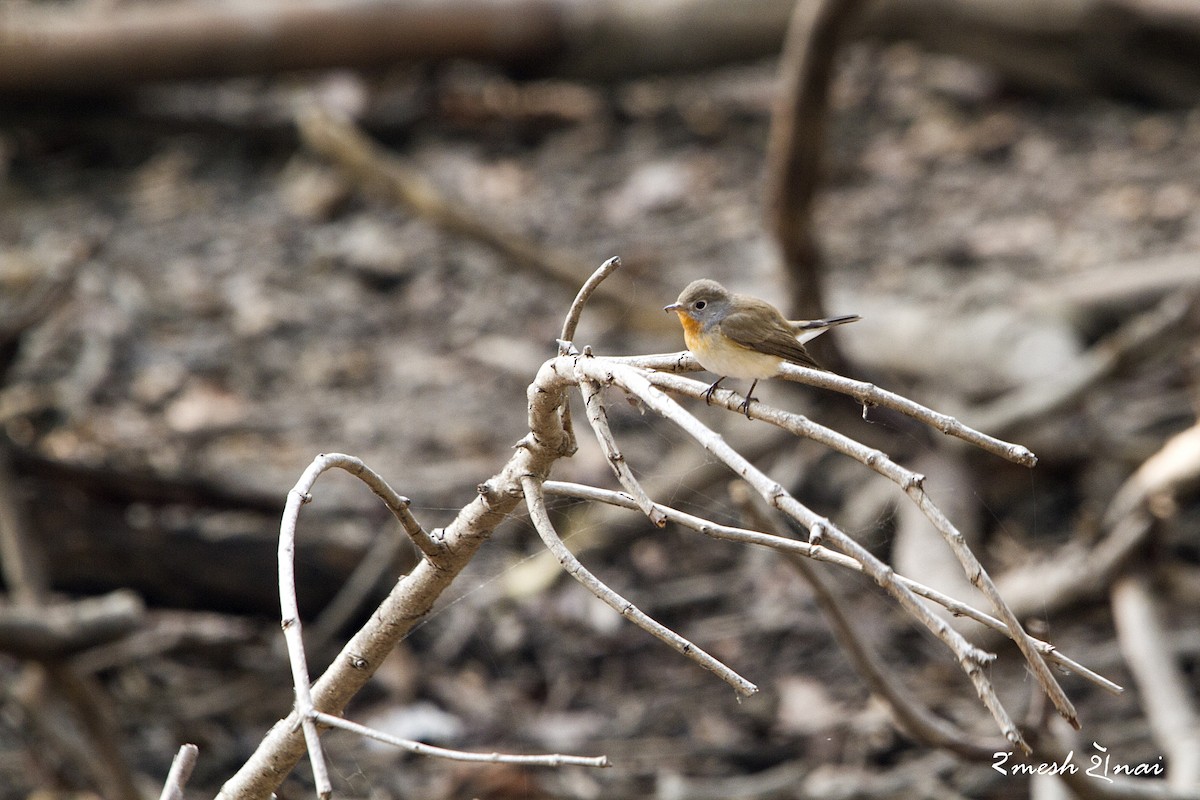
[536, 501]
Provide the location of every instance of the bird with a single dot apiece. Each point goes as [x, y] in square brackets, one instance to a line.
[739, 336]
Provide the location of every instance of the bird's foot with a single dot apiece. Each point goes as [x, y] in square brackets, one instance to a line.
[744, 406]
[708, 393]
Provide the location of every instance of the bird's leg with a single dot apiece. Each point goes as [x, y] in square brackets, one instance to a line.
[745, 406]
[709, 391]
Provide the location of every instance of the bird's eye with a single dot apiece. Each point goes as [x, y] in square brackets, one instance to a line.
[699, 305]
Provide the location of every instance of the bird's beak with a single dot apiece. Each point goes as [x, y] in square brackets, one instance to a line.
[672, 307]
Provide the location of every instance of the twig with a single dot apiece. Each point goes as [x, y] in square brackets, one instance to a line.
[297, 497]
[396, 503]
[585, 293]
[912, 484]
[824, 554]
[536, 503]
[420, 748]
[1166, 696]
[571, 322]
[593, 402]
[970, 658]
[414, 595]
[914, 719]
[181, 769]
[866, 394]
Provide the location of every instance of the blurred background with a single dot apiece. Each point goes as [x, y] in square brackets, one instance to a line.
[232, 238]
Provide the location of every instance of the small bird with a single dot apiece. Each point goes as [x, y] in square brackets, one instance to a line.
[738, 336]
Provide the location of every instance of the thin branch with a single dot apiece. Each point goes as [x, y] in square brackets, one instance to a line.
[970, 658]
[570, 323]
[911, 717]
[536, 502]
[414, 595]
[818, 553]
[181, 769]
[912, 484]
[593, 403]
[420, 748]
[396, 503]
[867, 394]
[585, 293]
[297, 497]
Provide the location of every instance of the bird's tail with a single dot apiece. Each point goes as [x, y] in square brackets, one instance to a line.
[811, 328]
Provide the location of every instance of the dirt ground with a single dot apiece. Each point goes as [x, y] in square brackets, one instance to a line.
[239, 305]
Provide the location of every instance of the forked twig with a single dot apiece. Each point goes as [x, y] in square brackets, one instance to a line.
[307, 715]
[816, 552]
[867, 394]
[913, 485]
[536, 502]
[636, 382]
[910, 716]
[593, 402]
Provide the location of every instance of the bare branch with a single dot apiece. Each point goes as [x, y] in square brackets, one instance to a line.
[536, 502]
[181, 769]
[297, 497]
[970, 658]
[912, 484]
[593, 402]
[868, 394]
[911, 717]
[420, 748]
[585, 293]
[824, 554]
[396, 503]
[414, 595]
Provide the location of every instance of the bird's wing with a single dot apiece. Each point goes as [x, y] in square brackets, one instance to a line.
[776, 338]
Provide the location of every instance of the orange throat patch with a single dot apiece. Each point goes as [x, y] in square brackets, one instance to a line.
[691, 332]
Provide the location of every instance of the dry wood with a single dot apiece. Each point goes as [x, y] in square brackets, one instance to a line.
[525, 476]
[910, 716]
